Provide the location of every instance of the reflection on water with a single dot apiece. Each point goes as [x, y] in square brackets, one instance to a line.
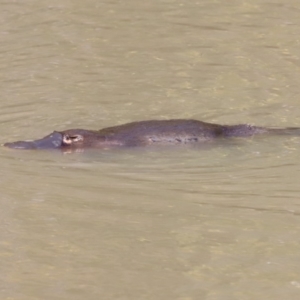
[219, 221]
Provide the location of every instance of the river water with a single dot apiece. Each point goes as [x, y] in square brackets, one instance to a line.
[216, 222]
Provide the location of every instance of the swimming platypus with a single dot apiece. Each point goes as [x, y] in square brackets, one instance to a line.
[145, 133]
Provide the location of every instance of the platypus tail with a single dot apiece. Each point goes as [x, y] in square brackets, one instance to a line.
[246, 130]
[293, 131]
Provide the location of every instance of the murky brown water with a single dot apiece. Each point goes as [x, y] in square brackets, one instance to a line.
[216, 222]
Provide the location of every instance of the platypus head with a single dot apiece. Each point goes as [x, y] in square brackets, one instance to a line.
[66, 140]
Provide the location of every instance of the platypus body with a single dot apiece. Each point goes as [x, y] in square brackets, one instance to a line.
[145, 133]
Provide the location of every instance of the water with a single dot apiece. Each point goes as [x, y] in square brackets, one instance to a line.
[219, 221]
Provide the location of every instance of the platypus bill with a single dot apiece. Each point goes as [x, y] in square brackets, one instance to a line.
[145, 133]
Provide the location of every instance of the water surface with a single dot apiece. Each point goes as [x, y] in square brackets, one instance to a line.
[219, 221]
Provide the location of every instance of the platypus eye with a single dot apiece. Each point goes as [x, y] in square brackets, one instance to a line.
[70, 139]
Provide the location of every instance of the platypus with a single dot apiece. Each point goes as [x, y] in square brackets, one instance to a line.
[145, 133]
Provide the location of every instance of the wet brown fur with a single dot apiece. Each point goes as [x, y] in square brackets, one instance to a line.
[163, 131]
